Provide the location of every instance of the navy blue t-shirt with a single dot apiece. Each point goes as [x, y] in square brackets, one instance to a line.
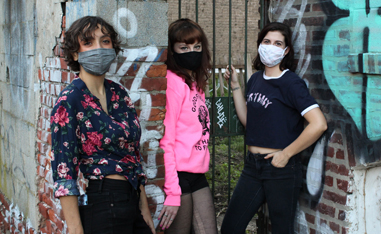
[275, 109]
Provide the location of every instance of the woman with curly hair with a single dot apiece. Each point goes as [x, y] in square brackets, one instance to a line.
[95, 130]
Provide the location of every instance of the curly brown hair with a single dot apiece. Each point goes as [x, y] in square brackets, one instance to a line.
[188, 31]
[83, 29]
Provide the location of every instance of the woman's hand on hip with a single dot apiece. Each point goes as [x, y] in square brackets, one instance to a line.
[280, 159]
[167, 215]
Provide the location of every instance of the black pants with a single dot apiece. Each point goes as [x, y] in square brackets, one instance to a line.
[261, 182]
[113, 208]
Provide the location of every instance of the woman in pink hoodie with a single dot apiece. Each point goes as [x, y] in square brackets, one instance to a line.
[187, 126]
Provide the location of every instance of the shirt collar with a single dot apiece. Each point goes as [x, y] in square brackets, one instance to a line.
[271, 78]
[82, 86]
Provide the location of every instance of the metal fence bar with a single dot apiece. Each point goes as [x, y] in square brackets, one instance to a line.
[196, 11]
[179, 9]
[213, 101]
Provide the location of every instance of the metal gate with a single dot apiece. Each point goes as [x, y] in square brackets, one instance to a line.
[226, 142]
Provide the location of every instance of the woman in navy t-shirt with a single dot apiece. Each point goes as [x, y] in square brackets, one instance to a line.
[277, 103]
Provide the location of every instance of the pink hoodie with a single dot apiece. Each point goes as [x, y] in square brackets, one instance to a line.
[186, 136]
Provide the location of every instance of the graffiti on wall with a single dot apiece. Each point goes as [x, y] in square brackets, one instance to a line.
[351, 55]
[151, 54]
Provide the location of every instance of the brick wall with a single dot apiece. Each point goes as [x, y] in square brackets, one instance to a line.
[329, 36]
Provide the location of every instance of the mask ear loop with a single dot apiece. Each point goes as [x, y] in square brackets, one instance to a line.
[284, 51]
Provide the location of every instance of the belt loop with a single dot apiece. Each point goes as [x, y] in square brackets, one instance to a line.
[100, 186]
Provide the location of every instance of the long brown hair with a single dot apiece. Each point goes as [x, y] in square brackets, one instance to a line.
[189, 32]
[288, 60]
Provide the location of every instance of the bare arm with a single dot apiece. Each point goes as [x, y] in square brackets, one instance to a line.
[145, 210]
[239, 100]
[317, 124]
[71, 212]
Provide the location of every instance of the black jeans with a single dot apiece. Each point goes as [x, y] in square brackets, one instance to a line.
[261, 182]
[113, 207]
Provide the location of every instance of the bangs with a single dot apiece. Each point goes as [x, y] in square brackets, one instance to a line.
[88, 32]
[188, 35]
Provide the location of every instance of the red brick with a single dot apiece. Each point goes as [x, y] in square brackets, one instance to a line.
[344, 230]
[132, 70]
[46, 199]
[328, 181]
[39, 133]
[20, 226]
[162, 55]
[40, 74]
[66, 77]
[156, 114]
[338, 169]
[48, 224]
[342, 185]
[335, 197]
[340, 154]
[158, 99]
[316, 7]
[160, 172]
[157, 71]
[157, 182]
[127, 82]
[336, 138]
[330, 152]
[60, 224]
[312, 231]
[43, 208]
[310, 218]
[334, 227]
[151, 84]
[325, 209]
[63, 64]
[64, 21]
[52, 215]
[31, 231]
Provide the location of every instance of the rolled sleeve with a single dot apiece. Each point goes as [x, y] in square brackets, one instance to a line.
[64, 149]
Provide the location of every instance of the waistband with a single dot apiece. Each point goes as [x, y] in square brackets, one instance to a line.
[295, 158]
[256, 156]
[109, 184]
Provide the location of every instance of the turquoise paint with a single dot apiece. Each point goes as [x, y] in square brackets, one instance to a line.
[337, 52]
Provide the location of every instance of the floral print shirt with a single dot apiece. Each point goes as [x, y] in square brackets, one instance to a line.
[86, 138]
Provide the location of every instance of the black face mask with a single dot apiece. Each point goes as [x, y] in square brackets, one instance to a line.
[189, 60]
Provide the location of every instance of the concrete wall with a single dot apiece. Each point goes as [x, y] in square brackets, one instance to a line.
[338, 49]
[32, 74]
[25, 37]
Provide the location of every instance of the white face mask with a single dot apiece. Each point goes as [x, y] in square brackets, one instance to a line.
[271, 55]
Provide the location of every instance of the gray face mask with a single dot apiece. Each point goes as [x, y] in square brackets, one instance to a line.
[97, 61]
